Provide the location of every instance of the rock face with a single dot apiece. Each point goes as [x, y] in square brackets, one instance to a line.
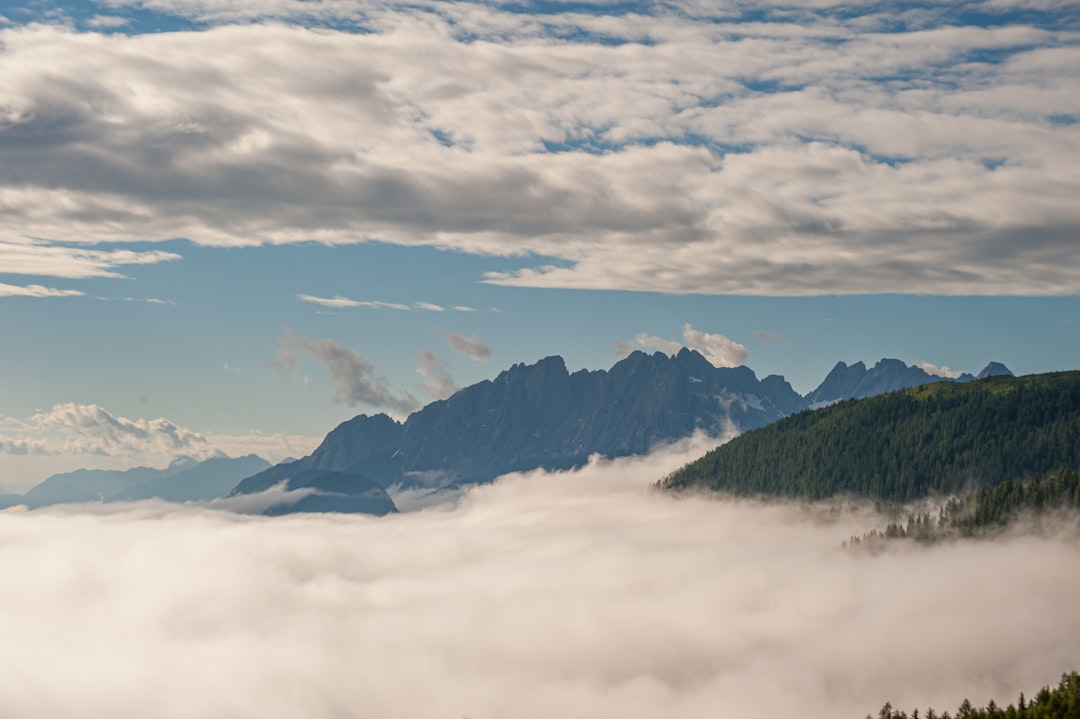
[540, 415]
[994, 369]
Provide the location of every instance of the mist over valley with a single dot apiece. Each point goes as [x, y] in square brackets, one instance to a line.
[579, 593]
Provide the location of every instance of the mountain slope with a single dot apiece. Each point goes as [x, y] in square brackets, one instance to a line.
[940, 437]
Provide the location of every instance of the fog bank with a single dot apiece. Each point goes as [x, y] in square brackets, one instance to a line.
[578, 594]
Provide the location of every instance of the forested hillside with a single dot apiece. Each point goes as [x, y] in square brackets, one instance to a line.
[984, 511]
[938, 438]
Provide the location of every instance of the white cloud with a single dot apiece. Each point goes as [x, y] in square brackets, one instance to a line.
[337, 301]
[643, 339]
[107, 22]
[75, 436]
[88, 429]
[473, 346]
[432, 307]
[7, 290]
[432, 128]
[578, 594]
[146, 300]
[355, 379]
[943, 371]
[342, 302]
[721, 351]
[718, 349]
[38, 258]
[438, 383]
[11, 445]
[379, 305]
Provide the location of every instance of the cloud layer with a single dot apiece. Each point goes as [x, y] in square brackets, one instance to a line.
[811, 149]
[577, 594]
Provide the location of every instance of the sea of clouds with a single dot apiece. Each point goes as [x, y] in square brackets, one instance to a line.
[578, 594]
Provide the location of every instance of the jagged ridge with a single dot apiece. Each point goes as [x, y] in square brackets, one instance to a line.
[541, 415]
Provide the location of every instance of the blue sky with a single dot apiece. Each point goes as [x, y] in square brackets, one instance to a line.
[230, 228]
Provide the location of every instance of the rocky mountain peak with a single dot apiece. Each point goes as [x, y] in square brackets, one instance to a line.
[994, 369]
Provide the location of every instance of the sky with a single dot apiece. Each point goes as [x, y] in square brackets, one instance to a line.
[576, 594]
[231, 226]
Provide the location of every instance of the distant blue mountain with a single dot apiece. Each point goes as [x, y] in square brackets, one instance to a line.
[182, 481]
[207, 480]
[92, 485]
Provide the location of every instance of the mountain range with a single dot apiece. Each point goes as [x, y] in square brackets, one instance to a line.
[542, 416]
[528, 417]
[185, 480]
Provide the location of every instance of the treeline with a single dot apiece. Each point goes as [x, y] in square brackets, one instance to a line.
[936, 439]
[984, 510]
[1062, 702]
